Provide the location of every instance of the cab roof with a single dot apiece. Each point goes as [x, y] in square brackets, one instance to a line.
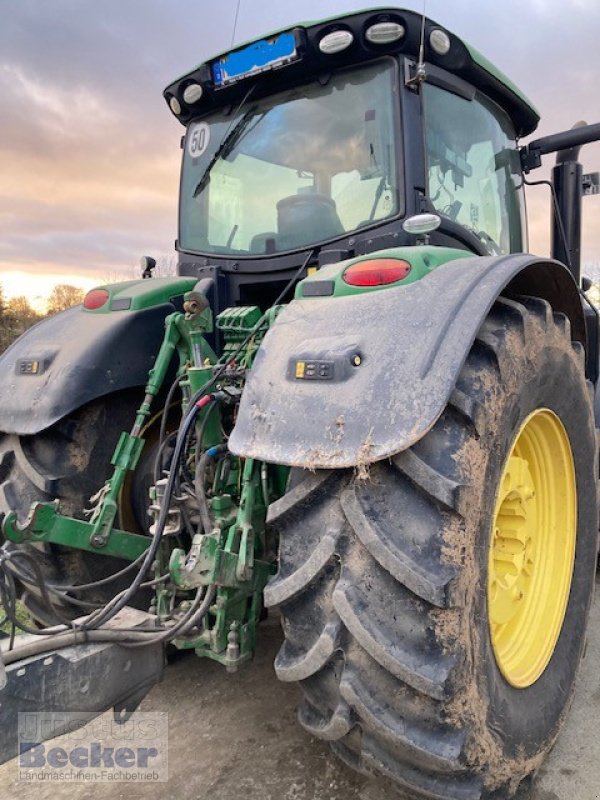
[309, 61]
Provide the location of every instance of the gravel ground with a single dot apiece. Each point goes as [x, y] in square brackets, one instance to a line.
[236, 737]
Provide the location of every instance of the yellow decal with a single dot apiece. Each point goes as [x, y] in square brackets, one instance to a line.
[300, 368]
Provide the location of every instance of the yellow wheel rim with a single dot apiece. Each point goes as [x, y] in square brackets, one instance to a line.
[532, 549]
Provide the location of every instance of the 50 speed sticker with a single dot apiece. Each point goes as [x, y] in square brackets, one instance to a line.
[198, 139]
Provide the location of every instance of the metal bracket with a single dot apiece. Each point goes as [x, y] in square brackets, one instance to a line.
[591, 183]
[72, 685]
[45, 524]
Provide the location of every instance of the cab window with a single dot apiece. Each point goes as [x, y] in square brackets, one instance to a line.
[474, 170]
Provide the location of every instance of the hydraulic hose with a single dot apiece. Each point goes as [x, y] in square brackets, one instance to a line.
[59, 640]
[199, 478]
[126, 637]
[194, 615]
[103, 615]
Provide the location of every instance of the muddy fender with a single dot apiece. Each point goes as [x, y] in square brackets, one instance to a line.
[76, 356]
[341, 381]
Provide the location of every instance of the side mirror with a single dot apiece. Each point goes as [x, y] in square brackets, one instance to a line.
[147, 263]
[531, 154]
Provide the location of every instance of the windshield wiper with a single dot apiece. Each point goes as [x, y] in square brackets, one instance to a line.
[225, 148]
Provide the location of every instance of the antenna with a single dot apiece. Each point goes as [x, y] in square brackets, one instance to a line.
[422, 42]
[420, 74]
[235, 21]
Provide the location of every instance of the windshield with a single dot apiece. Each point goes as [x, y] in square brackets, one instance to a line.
[293, 170]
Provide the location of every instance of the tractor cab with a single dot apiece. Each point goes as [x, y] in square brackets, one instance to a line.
[327, 136]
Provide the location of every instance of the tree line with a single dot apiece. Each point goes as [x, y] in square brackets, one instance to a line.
[17, 314]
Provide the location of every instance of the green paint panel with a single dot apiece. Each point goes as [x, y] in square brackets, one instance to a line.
[423, 260]
[142, 294]
[493, 70]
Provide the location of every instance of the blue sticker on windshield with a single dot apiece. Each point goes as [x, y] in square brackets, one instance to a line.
[257, 57]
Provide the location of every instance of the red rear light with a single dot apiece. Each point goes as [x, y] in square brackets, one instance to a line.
[95, 299]
[378, 272]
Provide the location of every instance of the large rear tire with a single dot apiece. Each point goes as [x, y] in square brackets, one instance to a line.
[69, 462]
[386, 583]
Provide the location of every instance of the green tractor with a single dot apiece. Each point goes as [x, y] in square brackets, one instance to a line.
[361, 403]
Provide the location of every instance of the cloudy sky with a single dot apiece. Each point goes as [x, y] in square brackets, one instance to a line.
[89, 154]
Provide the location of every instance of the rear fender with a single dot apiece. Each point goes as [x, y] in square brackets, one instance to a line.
[77, 356]
[389, 361]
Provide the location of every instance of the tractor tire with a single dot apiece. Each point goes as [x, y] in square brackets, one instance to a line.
[391, 578]
[70, 462]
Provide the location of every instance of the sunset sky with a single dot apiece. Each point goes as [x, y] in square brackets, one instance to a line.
[89, 153]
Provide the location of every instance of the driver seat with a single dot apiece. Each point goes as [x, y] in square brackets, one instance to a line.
[306, 219]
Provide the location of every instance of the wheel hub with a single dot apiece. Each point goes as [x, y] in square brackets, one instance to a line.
[512, 546]
[532, 549]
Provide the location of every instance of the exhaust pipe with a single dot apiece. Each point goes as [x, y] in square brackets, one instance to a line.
[567, 179]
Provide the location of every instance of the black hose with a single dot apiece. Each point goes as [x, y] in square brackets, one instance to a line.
[158, 460]
[30, 580]
[199, 483]
[63, 628]
[131, 637]
[8, 599]
[99, 618]
[70, 638]
[168, 401]
[199, 436]
[64, 587]
[195, 614]
[205, 520]
[81, 587]
[41, 583]
[202, 611]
